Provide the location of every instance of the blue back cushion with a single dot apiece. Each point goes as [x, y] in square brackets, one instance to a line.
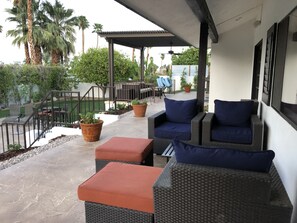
[259, 161]
[233, 113]
[180, 111]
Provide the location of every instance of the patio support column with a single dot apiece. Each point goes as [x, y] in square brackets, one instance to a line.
[142, 64]
[202, 65]
[111, 69]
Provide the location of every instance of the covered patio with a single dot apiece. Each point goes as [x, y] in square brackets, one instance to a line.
[44, 188]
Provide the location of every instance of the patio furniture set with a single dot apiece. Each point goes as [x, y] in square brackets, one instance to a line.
[200, 183]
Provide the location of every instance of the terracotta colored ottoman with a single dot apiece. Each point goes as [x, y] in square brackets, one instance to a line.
[120, 192]
[124, 149]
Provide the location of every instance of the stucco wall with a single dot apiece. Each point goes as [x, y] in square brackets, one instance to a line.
[231, 65]
[231, 75]
[282, 137]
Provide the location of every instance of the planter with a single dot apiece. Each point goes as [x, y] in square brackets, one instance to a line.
[139, 110]
[187, 89]
[91, 132]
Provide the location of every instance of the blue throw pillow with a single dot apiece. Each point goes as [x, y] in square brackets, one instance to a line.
[233, 113]
[180, 111]
[259, 161]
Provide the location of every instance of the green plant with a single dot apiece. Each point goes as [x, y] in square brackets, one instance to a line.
[183, 82]
[136, 101]
[88, 118]
[13, 147]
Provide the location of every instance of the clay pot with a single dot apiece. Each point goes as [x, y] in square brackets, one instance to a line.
[139, 110]
[91, 132]
[187, 89]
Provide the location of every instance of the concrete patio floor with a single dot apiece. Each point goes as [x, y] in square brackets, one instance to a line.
[44, 187]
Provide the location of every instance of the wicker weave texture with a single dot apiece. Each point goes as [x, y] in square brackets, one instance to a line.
[96, 213]
[149, 161]
[191, 193]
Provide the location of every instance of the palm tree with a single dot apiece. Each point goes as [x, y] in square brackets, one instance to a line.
[19, 15]
[162, 58]
[59, 30]
[30, 30]
[97, 27]
[1, 29]
[82, 24]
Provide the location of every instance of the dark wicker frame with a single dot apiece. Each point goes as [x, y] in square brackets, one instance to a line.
[160, 144]
[107, 214]
[257, 131]
[149, 161]
[193, 193]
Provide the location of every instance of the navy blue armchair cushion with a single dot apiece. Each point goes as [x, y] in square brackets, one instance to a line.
[180, 111]
[231, 134]
[233, 113]
[259, 161]
[173, 130]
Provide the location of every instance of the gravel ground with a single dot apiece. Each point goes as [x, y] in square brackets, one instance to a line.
[33, 152]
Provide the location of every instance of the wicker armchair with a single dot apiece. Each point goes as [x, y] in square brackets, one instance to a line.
[210, 123]
[160, 144]
[192, 193]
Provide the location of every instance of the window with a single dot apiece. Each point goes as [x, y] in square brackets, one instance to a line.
[284, 96]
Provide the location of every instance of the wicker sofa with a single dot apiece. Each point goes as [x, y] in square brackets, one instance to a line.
[193, 193]
[131, 91]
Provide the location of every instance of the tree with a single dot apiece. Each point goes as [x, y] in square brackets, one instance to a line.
[1, 29]
[19, 16]
[162, 58]
[59, 30]
[97, 27]
[92, 67]
[30, 30]
[188, 57]
[82, 23]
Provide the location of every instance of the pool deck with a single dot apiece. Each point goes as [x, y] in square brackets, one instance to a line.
[44, 188]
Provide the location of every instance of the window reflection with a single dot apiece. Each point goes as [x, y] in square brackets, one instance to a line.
[289, 88]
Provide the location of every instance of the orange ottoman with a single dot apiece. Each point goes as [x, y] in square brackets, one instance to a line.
[124, 149]
[120, 192]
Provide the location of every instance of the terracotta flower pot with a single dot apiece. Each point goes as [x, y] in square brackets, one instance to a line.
[139, 110]
[91, 132]
[187, 89]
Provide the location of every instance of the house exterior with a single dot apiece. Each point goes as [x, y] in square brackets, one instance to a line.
[244, 62]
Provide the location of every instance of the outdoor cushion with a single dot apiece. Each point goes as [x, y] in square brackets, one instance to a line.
[172, 130]
[124, 149]
[122, 185]
[259, 161]
[180, 111]
[241, 135]
[233, 113]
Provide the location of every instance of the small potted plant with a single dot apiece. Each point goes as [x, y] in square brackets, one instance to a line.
[139, 107]
[187, 87]
[90, 126]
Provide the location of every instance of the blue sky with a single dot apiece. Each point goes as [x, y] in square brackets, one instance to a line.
[113, 17]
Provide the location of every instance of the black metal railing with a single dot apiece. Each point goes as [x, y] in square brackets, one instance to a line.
[58, 108]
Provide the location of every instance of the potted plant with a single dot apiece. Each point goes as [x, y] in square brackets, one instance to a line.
[90, 126]
[187, 87]
[183, 83]
[139, 107]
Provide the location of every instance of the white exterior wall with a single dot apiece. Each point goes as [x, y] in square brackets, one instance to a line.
[231, 76]
[231, 65]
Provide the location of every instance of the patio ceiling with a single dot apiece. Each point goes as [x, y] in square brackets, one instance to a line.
[139, 39]
[179, 18]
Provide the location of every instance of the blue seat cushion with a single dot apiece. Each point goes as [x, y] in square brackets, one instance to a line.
[231, 134]
[180, 111]
[172, 130]
[233, 113]
[259, 161]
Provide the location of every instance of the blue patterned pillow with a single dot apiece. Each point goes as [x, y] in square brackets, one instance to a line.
[180, 111]
[259, 161]
[233, 113]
